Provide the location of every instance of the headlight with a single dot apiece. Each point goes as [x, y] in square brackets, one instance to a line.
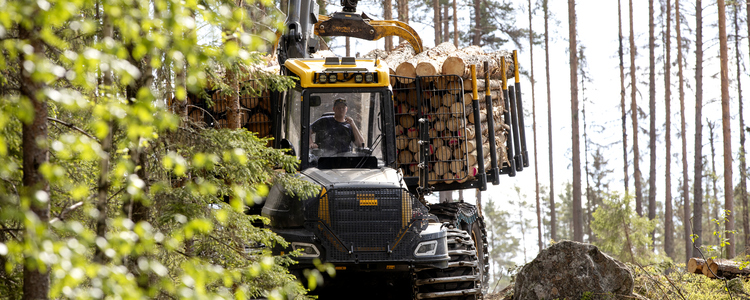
[426, 248]
[307, 249]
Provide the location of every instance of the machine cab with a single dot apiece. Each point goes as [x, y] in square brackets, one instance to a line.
[340, 114]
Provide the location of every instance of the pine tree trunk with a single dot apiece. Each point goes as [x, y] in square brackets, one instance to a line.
[685, 180]
[714, 178]
[446, 24]
[652, 120]
[621, 52]
[743, 167]
[668, 211]
[455, 23]
[552, 213]
[477, 23]
[634, 118]
[36, 283]
[436, 21]
[726, 130]
[388, 15]
[698, 165]
[533, 126]
[589, 192]
[572, 46]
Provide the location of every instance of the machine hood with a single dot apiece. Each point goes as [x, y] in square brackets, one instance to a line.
[342, 178]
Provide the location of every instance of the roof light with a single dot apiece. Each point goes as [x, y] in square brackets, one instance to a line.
[358, 78]
[322, 78]
[369, 77]
[332, 78]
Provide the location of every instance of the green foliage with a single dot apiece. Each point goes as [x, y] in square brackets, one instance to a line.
[503, 243]
[620, 231]
[666, 281]
[173, 195]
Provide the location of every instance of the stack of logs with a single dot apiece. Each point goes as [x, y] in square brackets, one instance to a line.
[446, 103]
[255, 109]
[718, 268]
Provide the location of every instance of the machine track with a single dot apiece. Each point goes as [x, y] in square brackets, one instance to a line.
[468, 270]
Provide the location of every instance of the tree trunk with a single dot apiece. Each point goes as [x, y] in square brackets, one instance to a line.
[685, 180]
[726, 130]
[400, 54]
[36, 283]
[552, 217]
[724, 268]
[436, 21]
[698, 165]
[403, 14]
[743, 167]
[668, 213]
[388, 15]
[652, 120]
[348, 46]
[621, 52]
[714, 178]
[696, 265]
[533, 126]
[634, 118]
[589, 191]
[455, 23]
[434, 57]
[446, 24]
[572, 46]
[477, 23]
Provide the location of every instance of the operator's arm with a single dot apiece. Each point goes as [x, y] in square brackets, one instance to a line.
[358, 140]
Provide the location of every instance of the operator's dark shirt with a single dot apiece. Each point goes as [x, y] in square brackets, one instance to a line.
[332, 135]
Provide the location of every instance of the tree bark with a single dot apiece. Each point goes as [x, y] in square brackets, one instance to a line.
[455, 23]
[724, 268]
[634, 118]
[685, 180]
[533, 126]
[696, 265]
[572, 46]
[714, 179]
[698, 165]
[726, 130]
[436, 21]
[476, 38]
[743, 167]
[388, 15]
[553, 217]
[621, 52]
[652, 120]
[668, 212]
[36, 283]
[446, 25]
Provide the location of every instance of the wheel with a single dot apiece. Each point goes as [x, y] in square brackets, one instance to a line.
[479, 237]
[460, 280]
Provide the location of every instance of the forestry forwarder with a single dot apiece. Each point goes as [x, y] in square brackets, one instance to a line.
[371, 219]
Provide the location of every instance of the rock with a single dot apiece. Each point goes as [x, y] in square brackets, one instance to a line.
[568, 270]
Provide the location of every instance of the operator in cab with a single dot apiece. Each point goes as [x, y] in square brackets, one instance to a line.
[336, 133]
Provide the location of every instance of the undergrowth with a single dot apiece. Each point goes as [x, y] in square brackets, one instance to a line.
[668, 281]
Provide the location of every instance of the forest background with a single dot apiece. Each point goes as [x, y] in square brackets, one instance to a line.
[127, 184]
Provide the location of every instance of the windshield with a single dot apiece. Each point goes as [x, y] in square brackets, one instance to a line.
[345, 125]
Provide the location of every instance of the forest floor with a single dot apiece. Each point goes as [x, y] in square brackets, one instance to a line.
[654, 282]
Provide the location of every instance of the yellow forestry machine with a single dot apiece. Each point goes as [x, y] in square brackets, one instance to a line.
[415, 136]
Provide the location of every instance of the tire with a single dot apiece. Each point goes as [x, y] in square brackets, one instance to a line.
[479, 237]
[460, 280]
[466, 216]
